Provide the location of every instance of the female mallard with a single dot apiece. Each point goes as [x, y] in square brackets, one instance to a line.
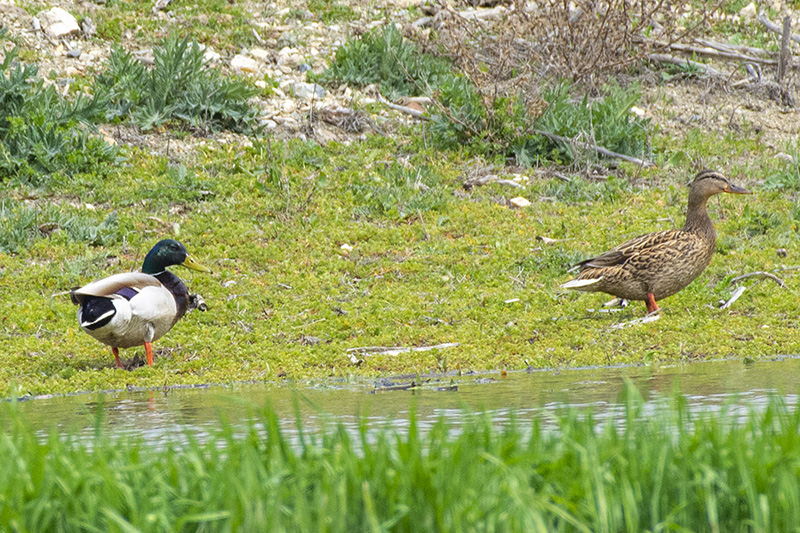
[656, 265]
[126, 310]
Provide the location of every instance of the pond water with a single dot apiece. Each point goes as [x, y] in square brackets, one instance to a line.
[168, 415]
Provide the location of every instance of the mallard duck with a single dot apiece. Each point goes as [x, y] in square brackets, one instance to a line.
[137, 308]
[656, 265]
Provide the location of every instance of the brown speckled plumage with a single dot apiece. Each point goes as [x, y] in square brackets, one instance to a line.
[656, 265]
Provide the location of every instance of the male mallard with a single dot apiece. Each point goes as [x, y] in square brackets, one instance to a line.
[131, 309]
[656, 265]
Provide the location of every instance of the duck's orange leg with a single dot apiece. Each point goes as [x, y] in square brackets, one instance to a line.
[148, 347]
[115, 351]
[650, 302]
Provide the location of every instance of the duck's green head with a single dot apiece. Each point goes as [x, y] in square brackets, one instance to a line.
[167, 253]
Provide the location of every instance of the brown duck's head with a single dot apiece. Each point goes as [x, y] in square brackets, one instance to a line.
[710, 182]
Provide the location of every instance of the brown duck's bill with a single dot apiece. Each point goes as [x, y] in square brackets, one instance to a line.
[194, 265]
[735, 189]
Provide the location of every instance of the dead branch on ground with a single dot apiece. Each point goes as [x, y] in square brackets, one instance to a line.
[599, 149]
[762, 274]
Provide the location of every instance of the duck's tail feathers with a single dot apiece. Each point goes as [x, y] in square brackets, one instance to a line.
[96, 312]
[578, 283]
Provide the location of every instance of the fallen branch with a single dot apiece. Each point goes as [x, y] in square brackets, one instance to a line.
[771, 26]
[599, 149]
[480, 14]
[738, 292]
[652, 317]
[389, 388]
[548, 240]
[403, 109]
[366, 351]
[427, 235]
[258, 37]
[785, 57]
[666, 58]
[489, 178]
[763, 274]
[711, 52]
[725, 47]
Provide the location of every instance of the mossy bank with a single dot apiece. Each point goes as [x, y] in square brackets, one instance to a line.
[287, 300]
[373, 240]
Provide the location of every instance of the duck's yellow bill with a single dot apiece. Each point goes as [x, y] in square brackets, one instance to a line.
[194, 265]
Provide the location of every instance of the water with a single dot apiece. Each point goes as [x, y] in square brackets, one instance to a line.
[169, 415]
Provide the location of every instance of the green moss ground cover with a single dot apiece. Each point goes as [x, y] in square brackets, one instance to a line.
[427, 267]
[374, 242]
[674, 471]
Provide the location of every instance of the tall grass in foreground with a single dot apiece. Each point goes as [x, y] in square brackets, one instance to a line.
[676, 472]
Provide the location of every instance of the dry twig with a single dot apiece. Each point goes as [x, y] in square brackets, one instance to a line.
[762, 274]
[785, 56]
[394, 350]
[728, 55]
[599, 149]
[403, 109]
[738, 292]
[666, 58]
[771, 26]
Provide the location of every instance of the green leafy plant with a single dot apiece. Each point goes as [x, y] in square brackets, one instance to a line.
[578, 190]
[331, 11]
[179, 87]
[788, 177]
[606, 121]
[382, 56]
[21, 225]
[758, 221]
[42, 133]
[398, 192]
[490, 122]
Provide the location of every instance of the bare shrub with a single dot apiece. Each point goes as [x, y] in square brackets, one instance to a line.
[581, 40]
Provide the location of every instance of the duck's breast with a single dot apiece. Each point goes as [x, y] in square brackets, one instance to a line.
[153, 309]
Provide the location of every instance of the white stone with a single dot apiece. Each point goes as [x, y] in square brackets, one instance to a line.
[288, 106]
[289, 58]
[244, 63]
[405, 4]
[211, 56]
[259, 53]
[749, 12]
[58, 23]
[307, 91]
[519, 201]
[261, 84]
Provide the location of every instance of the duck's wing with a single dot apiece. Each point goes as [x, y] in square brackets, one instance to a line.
[113, 284]
[649, 243]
